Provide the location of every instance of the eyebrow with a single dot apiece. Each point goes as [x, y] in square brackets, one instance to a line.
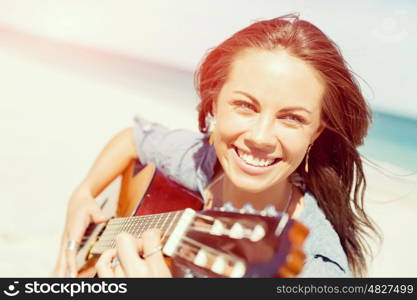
[286, 109]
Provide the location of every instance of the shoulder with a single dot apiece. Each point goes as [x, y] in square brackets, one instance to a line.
[325, 256]
[183, 155]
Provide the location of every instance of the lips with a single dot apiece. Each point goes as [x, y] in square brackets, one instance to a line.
[253, 165]
[254, 160]
[257, 162]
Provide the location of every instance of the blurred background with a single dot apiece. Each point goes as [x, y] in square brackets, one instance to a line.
[75, 72]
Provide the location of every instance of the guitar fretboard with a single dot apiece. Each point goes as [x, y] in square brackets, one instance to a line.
[136, 226]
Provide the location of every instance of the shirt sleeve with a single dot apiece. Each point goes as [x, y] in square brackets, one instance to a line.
[174, 152]
[325, 254]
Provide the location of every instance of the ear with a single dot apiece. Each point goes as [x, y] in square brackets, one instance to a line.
[213, 108]
[319, 130]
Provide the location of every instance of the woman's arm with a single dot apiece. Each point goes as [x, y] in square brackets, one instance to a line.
[82, 207]
[111, 162]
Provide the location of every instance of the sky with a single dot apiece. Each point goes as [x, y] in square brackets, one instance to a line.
[377, 38]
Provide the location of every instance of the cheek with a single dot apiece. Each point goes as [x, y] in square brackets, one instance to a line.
[230, 126]
[293, 143]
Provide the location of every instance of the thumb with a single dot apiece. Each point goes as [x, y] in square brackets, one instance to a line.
[97, 215]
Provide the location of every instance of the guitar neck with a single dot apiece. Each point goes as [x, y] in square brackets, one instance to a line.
[136, 226]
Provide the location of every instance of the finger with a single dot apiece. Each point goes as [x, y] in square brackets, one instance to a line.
[127, 250]
[71, 253]
[97, 215]
[119, 272]
[78, 228]
[151, 240]
[154, 260]
[61, 263]
[103, 265]
[60, 266]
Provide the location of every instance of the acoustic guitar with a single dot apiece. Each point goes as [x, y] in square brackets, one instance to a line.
[210, 243]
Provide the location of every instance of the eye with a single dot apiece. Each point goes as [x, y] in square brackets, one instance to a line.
[245, 106]
[294, 118]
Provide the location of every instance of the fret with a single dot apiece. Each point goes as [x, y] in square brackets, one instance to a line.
[172, 222]
[140, 224]
[157, 221]
[128, 226]
[136, 225]
[166, 225]
[153, 222]
[137, 228]
[125, 225]
[111, 244]
[121, 228]
[132, 227]
[144, 223]
[164, 218]
[148, 224]
[161, 220]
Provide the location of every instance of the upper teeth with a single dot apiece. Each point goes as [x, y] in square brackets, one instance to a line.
[254, 161]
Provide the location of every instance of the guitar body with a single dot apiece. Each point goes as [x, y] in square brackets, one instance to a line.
[143, 191]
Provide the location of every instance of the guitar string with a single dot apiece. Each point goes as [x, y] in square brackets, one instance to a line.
[136, 225]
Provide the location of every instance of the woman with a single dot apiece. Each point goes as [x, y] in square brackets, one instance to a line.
[281, 117]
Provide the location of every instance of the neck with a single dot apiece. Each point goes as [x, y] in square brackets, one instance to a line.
[277, 195]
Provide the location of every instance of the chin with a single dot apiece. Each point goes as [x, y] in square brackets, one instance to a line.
[249, 185]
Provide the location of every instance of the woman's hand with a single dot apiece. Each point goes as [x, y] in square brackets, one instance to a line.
[82, 210]
[135, 258]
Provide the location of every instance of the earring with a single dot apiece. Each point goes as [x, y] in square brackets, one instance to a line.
[307, 156]
[211, 125]
[211, 139]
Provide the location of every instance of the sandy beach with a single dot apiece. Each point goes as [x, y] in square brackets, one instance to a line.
[55, 118]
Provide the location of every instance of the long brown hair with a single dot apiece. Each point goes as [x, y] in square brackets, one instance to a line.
[335, 176]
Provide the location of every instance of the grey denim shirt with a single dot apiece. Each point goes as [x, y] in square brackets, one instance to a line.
[186, 157]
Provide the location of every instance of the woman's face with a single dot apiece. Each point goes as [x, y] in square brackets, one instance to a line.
[267, 113]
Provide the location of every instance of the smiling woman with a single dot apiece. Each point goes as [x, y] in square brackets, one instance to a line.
[281, 118]
[263, 117]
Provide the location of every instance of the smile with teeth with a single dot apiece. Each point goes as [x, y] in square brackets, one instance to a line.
[254, 161]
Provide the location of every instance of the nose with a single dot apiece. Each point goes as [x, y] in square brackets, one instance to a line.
[261, 135]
